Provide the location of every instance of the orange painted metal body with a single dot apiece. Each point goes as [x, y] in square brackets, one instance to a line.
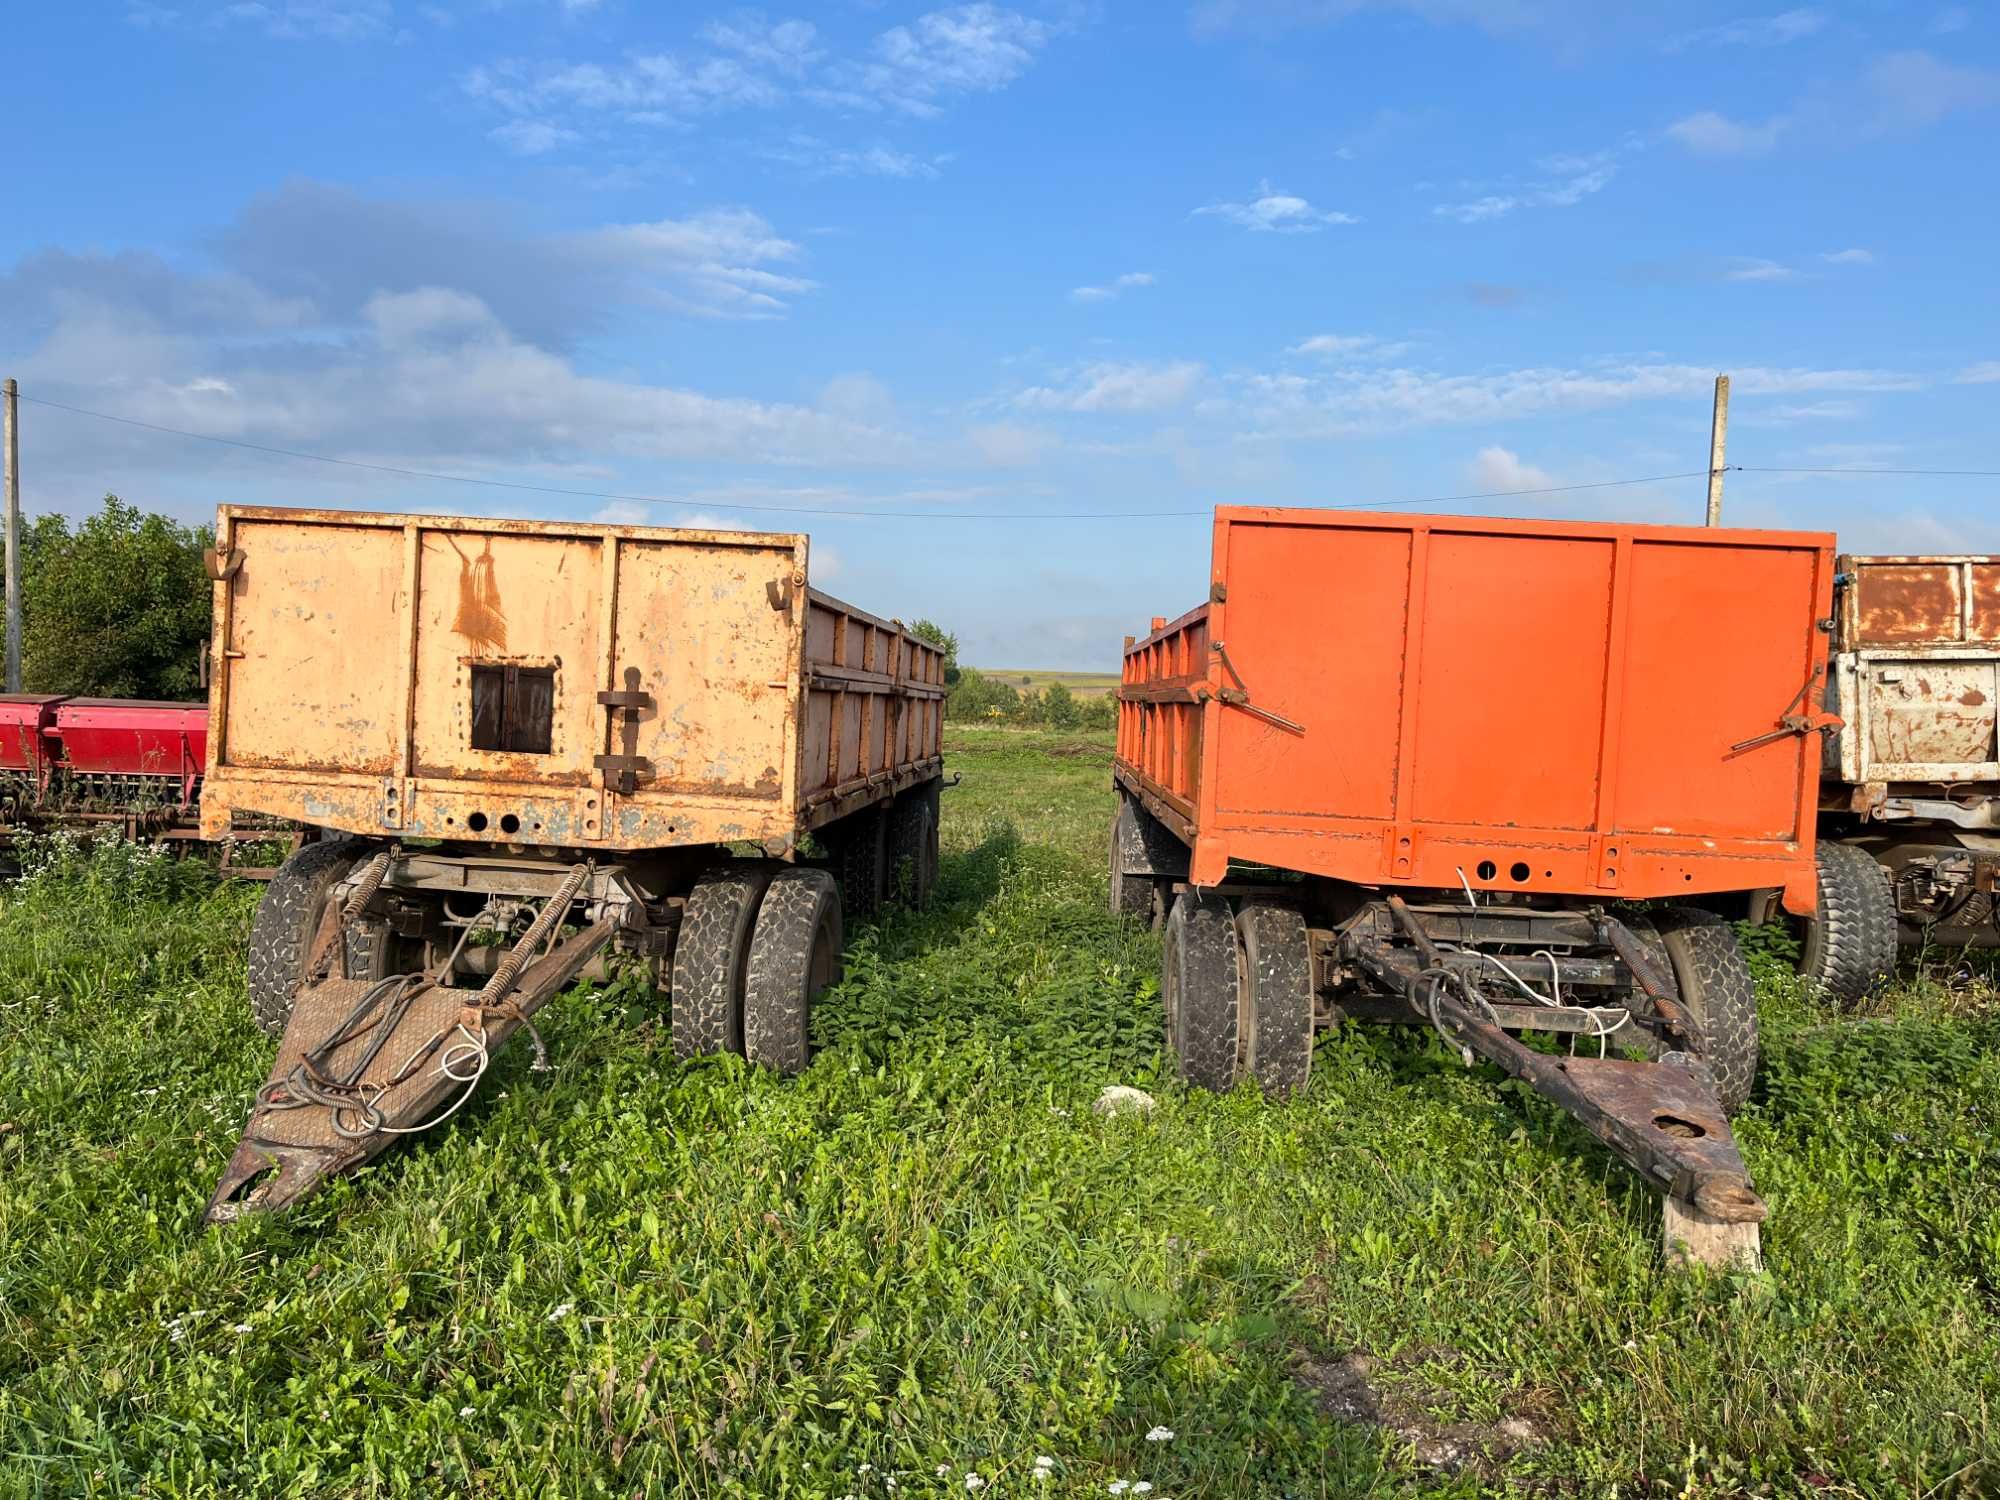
[1540, 707]
[362, 662]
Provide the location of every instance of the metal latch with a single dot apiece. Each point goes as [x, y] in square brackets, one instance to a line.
[1791, 721]
[221, 566]
[622, 771]
[1239, 696]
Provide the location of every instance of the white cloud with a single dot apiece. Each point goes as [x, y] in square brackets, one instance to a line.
[1114, 386]
[1912, 90]
[717, 260]
[1751, 268]
[1754, 31]
[1986, 372]
[1500, 469]
[858, 397]
[1712, 134]
[532, 137]
[1900, 93]
[1953, 18]
[1004, 445]
[1111, 289]
[877, 160]
[1848, 257]
[964, 49]
[625, 513]
[1274, 211]
[752, 63]
[1565, 182]
[1348, 346]
[789, 47]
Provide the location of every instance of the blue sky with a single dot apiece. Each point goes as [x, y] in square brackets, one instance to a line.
[935, 264]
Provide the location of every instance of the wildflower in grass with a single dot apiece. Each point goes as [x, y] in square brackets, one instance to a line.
[867, 1468]
[1120, 1486]
[974, 1482]
[943, 1470]
[465, 1411]
[1143, 1487]
[239, 1328]
[1160, 1435]
[563, 1309]
[1043, 1464]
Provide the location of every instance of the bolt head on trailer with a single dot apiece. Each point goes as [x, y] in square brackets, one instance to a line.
[1453, 747]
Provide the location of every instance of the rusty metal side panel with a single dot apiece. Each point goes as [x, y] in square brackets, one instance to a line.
[1984, 614]
[716, 654]
[1922, 717]
[873, 716]
[1919, 601]
[310, 647]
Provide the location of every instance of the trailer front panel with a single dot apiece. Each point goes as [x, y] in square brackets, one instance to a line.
[1524, 706]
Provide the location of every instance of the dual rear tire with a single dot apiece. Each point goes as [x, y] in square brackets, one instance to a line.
[758, 944]
[1238, 993]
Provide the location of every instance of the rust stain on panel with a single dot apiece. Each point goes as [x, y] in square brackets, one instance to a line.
[1930, 713]
[1985, 600]
[1905, 603]
[480, 618]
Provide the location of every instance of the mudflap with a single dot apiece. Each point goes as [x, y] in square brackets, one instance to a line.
[405, 1053]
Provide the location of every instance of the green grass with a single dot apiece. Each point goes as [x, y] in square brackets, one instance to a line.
[635, 1276]
[1034, 679]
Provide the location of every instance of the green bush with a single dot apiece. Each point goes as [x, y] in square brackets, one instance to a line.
[117, 608]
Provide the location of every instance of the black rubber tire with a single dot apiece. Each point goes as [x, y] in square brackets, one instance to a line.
[288, 917]
[913, 846]
[1200, 989]
[1848, 947]
[794, 955]
[1277, 997]
[1131, 893]
[712, 957]
[859, 844]
[1717, 990]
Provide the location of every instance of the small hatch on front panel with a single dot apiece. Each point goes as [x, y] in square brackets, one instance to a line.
[513, 708]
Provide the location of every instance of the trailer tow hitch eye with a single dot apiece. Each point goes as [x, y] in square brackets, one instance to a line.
[623, 770]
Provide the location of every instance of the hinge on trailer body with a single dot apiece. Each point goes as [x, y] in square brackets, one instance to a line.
[623, 771]
[1239, 696]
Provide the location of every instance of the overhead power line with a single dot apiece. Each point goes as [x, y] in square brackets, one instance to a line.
[1927, 473]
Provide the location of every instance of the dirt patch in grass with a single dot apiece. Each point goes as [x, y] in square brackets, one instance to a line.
[1350, 1388]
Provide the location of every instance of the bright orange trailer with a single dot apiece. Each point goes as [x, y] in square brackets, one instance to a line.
[1409, 768]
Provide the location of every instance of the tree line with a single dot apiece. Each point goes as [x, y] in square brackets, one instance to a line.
[975, 695]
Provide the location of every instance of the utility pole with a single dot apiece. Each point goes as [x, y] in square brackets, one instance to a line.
[1718, 435]
[10, 460]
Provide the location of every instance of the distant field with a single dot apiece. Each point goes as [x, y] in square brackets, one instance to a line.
[1083, 684]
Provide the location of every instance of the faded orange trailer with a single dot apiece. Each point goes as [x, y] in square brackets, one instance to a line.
[1408, 768]
[666, 743]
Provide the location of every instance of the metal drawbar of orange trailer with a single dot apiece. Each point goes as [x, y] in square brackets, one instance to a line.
[533, 747]
[1421, 769]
